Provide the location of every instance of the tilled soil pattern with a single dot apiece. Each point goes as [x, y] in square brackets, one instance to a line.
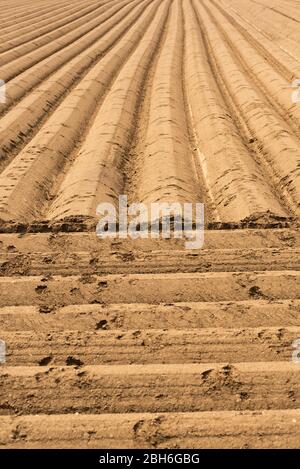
[143, 343]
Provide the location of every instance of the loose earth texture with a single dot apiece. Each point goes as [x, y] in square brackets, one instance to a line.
[123, 343]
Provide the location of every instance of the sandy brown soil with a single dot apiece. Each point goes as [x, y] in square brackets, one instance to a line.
[130, 344]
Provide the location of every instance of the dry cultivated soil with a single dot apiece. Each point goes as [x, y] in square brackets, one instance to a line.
[143, 343]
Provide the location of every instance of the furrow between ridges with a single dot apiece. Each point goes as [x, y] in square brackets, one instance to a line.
[161, 164]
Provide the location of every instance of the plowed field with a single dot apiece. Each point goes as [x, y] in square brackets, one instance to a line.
[143, 343]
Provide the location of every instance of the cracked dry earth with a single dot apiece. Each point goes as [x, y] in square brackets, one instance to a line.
[144, 344]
